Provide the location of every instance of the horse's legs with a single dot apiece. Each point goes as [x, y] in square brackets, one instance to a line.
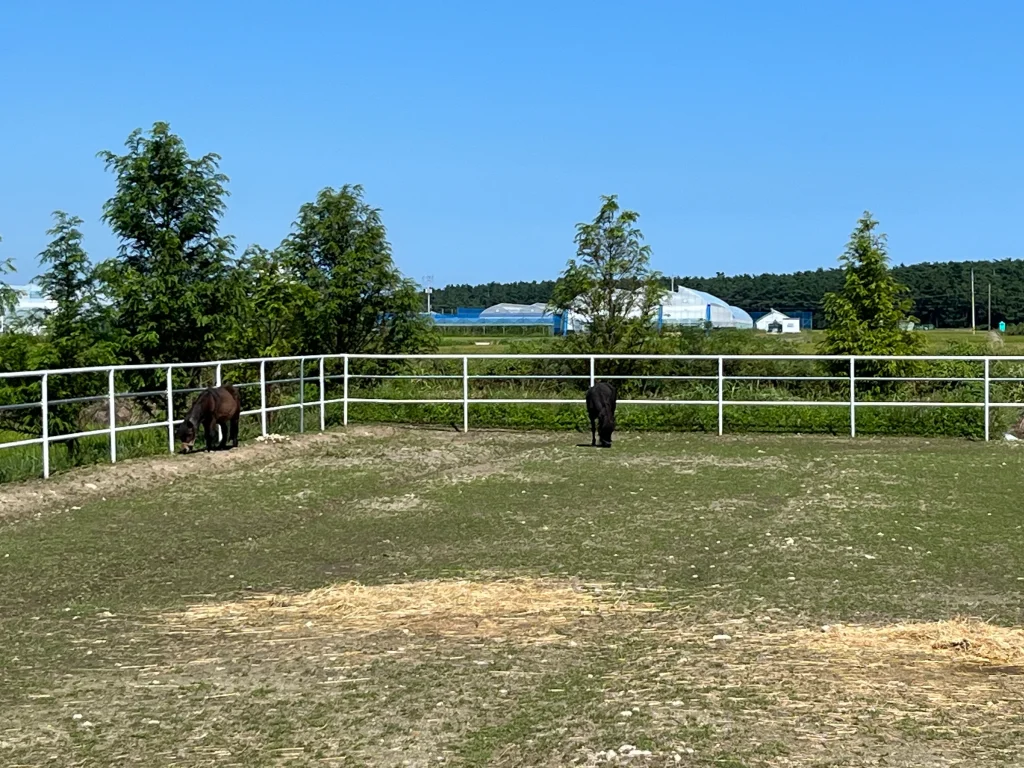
[208, 433]
[234, 431]
[222, 428]
[593, 431]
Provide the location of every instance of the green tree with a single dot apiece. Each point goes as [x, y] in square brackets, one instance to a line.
[70, 282]
[8, 296]
[361, 302]
[610, 283]
[170, 286]
[869, 315]
[272, 296]
[74, 330]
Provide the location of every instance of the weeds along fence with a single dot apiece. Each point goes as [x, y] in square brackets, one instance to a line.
[50, 420]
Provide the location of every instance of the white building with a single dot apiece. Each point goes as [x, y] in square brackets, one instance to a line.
[32, 305]
[777, 322]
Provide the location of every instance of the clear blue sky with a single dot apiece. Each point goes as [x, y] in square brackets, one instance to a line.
[749, 135]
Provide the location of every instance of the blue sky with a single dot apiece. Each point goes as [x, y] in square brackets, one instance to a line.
[749, 135]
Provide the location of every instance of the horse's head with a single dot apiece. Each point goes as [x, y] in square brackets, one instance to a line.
[186, 433]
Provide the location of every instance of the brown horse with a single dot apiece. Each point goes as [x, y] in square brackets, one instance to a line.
[216, 406]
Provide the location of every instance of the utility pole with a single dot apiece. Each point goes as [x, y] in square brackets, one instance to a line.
[973, 313]
[428, 282]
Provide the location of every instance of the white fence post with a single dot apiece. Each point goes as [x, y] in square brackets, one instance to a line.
[112, 408]
[853, 397]
[721, 396]
[263, 396]
[323, 396]
[344, 395]
[46, 424]
[988, 397]
[219, 381]
[465, 392]
[170, 409]
[592, 367]
[302, 394]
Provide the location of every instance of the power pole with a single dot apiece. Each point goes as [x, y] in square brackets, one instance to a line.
[428, 282]
[973, 329]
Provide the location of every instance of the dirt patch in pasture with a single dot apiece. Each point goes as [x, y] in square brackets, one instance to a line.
[523, 610]
[473, 455]
[691, 463]
[388, 506]
[85, 484]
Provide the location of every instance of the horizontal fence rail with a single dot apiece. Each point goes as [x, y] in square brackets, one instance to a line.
[850, 376]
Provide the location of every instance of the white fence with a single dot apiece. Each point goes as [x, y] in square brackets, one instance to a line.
[321, 380]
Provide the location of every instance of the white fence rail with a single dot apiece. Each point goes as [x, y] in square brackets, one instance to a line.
[167, 393]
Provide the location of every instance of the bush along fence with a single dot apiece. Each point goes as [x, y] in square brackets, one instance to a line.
[132, 410]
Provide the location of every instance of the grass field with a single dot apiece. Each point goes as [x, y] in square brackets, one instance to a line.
[385, 596]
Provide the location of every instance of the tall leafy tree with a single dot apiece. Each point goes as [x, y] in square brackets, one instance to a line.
[869, 315]
[170, 284]
[75, 329]
[272, 296]
[361, 303]
[610, 283]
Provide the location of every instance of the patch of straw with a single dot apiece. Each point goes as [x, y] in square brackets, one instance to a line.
[516, 609]
[963, 639]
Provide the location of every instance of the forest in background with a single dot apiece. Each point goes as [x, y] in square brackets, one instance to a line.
[941, 291]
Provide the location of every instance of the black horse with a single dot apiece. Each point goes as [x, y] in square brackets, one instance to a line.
[601, 409]
[216, 406]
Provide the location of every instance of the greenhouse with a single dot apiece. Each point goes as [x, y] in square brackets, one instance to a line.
[29, 310]
[686, 307]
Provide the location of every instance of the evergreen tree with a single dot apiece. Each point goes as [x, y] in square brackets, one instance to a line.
[869, 315]
[74, 329]
[8, 296]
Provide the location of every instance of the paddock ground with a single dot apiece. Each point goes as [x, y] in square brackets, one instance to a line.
[385, 596]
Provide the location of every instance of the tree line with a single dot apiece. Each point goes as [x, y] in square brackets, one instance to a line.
[940, 292]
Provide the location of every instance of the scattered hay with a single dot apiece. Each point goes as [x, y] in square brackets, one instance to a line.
[524, 610]
[962, 639]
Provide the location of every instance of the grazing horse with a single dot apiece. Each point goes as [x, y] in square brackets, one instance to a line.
[216, 406]
[601, 409]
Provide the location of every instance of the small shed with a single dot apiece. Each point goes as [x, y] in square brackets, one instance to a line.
[777, 322]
